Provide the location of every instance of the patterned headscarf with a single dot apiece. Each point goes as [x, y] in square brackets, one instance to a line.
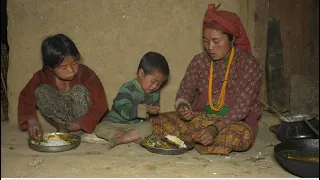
[227, 22]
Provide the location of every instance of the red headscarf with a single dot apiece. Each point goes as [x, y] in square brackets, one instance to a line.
[227, 22]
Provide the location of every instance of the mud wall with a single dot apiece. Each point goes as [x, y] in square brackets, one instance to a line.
[112, 36]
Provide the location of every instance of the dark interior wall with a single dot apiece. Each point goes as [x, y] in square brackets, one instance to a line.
[4, 61]
[299, 28]
[261, 10]
[4, 22]
[300, 35]
[111, 36]
[313, 66]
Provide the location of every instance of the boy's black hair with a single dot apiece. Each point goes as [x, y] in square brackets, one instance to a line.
[152, 61]
[55, 48]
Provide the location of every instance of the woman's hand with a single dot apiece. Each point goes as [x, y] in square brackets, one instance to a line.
[153, 109]
[72, 126]
[185, 113]
[34, 129]
[206, 136]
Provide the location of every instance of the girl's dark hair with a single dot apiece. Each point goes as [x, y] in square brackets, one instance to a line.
[154, 61]
[55, 48]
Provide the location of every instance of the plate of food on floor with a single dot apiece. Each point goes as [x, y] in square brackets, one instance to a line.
[55, 142]
[168, 145]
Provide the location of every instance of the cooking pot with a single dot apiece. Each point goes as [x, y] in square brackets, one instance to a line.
[299, 157]
[296, 130]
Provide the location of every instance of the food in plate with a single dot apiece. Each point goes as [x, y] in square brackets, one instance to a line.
[176, 140]
[172, 143]
[310, 159]
[53, 140]
[297, 155]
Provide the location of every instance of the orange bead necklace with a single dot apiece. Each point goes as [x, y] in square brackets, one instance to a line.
[220, 103]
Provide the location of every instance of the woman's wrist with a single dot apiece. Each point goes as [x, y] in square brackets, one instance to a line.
[182, 102]
[215, 128]
[183, 105]
[220, 125]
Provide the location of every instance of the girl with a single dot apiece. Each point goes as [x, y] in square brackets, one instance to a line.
[68, 94]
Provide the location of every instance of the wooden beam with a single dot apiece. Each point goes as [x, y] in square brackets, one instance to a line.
[261, 10]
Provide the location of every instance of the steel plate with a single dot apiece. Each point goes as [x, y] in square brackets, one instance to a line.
[173, 151]
[75, 143]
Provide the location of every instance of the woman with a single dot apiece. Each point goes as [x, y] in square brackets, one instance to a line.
[217, 102]
[68, 94]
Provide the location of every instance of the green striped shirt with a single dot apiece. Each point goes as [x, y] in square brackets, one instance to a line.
[125, 105]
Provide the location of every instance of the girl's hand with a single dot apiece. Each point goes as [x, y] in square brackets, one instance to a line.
[185, 113]
[153, 109]
[34, 129]
[72, 126]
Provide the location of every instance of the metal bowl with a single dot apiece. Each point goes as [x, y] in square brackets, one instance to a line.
[75, 142]
[173, 151]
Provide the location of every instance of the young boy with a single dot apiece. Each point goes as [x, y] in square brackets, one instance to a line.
[135, 101]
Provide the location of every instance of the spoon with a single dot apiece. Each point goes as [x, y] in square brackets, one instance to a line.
[282, 117]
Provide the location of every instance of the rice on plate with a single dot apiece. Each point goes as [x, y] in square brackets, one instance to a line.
[53, 140]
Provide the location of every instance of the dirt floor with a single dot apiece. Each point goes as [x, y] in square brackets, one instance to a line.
[131, 160]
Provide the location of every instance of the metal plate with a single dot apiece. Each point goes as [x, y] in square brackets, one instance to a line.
[173, 151]
[299, 117]
[75, 143]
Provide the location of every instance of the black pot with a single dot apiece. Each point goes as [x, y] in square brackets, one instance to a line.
[296, 130]
[301, 149]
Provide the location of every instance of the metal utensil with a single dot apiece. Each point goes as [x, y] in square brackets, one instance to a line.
[302, 149]
[305, 118]
[173, 151]
[296, 130]
[282, 117]
[75, 142]
[311, 127]
[296, 118]
[301, 117]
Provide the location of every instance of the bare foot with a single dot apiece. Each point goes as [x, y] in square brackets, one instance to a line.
[92, 138]
[111, 143]
[123, 137]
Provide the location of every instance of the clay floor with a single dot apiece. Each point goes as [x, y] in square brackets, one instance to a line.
[131, 160]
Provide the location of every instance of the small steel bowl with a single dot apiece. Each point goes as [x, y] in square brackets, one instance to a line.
[75, 139]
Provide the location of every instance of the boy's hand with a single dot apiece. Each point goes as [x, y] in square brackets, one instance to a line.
[154, 120]
[185, 113]
[153, 109]
[34, 129]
